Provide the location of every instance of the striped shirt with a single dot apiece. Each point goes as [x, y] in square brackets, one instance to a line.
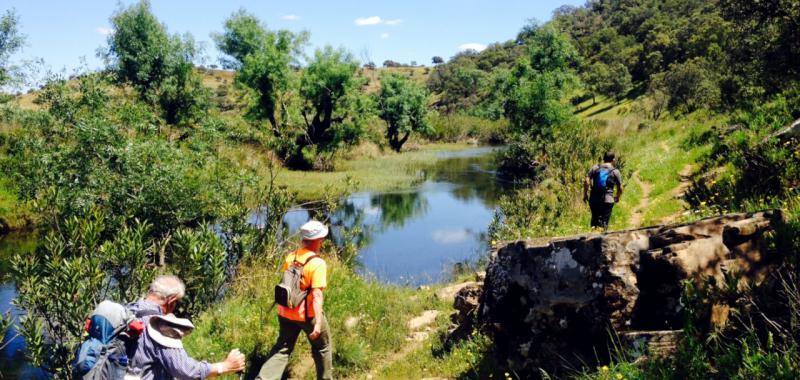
[153, 361]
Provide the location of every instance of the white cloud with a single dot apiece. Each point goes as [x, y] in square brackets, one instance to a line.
[290, 17]
[472, 46]
[375, 20]
[450, 236]
[384, 35]
[372, 20]
[104, 30]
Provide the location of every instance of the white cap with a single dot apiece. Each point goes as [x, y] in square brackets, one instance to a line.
[313, 230]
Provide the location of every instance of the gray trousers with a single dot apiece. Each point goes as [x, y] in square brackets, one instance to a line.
[321, 349]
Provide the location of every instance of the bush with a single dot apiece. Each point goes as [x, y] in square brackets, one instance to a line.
[458, 128]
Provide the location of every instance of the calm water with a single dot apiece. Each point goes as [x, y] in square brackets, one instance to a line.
[410, 237]
[12, 358]
[416, 236]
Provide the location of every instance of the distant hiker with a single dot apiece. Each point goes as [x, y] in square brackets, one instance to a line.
[160, 354]
[599, 190]
[299, 299]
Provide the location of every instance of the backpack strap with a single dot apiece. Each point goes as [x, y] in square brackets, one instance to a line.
[309, 258]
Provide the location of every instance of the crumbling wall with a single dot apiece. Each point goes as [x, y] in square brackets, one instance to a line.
[554, 304]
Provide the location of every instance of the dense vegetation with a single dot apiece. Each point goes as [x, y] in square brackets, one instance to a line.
[142, 169]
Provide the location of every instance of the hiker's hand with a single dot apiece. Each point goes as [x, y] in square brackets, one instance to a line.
[235, 361]
[616, 199]
[316, 333]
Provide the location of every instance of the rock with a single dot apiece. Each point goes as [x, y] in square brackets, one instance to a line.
[448, 292]
[552, 304]
[427, 317]
[650, 343]
[351, 322]
[480, 276]
[418, 336]
[467, 299]
[789, 132]
[466, 303]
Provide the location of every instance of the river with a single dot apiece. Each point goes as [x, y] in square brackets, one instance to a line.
[414, 236]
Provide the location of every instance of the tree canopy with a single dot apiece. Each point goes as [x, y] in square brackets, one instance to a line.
[403, 105]
[158, 65]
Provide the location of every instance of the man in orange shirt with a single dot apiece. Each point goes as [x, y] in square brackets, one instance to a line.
[310, 320]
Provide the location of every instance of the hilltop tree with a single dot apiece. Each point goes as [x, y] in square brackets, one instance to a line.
[437, 60]
[157, 65]
[10, 42]
[403, 104]
[263, 60]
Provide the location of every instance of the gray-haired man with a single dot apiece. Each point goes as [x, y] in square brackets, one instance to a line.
[155, 360]
[162, 297]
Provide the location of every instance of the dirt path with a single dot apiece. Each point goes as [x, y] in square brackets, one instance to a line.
[679, 192]
[638, 211]
[420, 331]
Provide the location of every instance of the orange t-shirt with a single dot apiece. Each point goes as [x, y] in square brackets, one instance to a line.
[314, 276]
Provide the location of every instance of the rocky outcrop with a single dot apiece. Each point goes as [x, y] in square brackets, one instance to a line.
[791, 131]
[466, 302]
[554, 304]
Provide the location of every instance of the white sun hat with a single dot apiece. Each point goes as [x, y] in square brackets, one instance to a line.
[168, 330]
[313, 230]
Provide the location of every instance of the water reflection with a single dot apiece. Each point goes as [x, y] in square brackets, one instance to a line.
[418, 235]
[12, 357]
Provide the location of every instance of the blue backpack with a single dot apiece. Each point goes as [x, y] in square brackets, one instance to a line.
[103, 356]
[601, 181]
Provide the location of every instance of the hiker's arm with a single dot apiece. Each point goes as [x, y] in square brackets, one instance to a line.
[232, 364]
[587, 182]
[180, 366]
[620, 188]
[318, 301]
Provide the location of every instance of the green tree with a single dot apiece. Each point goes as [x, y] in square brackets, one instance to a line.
[539, 82]
[11, 41]
[690, 85]
[157, 65]
[333, 108]
[768, 37]
[612, 80]
[404, 106]
[264, 61]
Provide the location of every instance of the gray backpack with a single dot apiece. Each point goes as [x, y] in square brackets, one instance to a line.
[288, 292]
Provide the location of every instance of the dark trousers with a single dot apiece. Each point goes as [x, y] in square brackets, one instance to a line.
[601, 213]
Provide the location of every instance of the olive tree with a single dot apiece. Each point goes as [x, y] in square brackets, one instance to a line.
[333, 110]
[265, 62]
[403, 105]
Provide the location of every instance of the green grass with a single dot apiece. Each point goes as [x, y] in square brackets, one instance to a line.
[245, 319]
[15, 214]
[372, 171]
[654, 149]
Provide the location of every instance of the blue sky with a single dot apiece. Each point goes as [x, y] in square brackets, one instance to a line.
[62, 32]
